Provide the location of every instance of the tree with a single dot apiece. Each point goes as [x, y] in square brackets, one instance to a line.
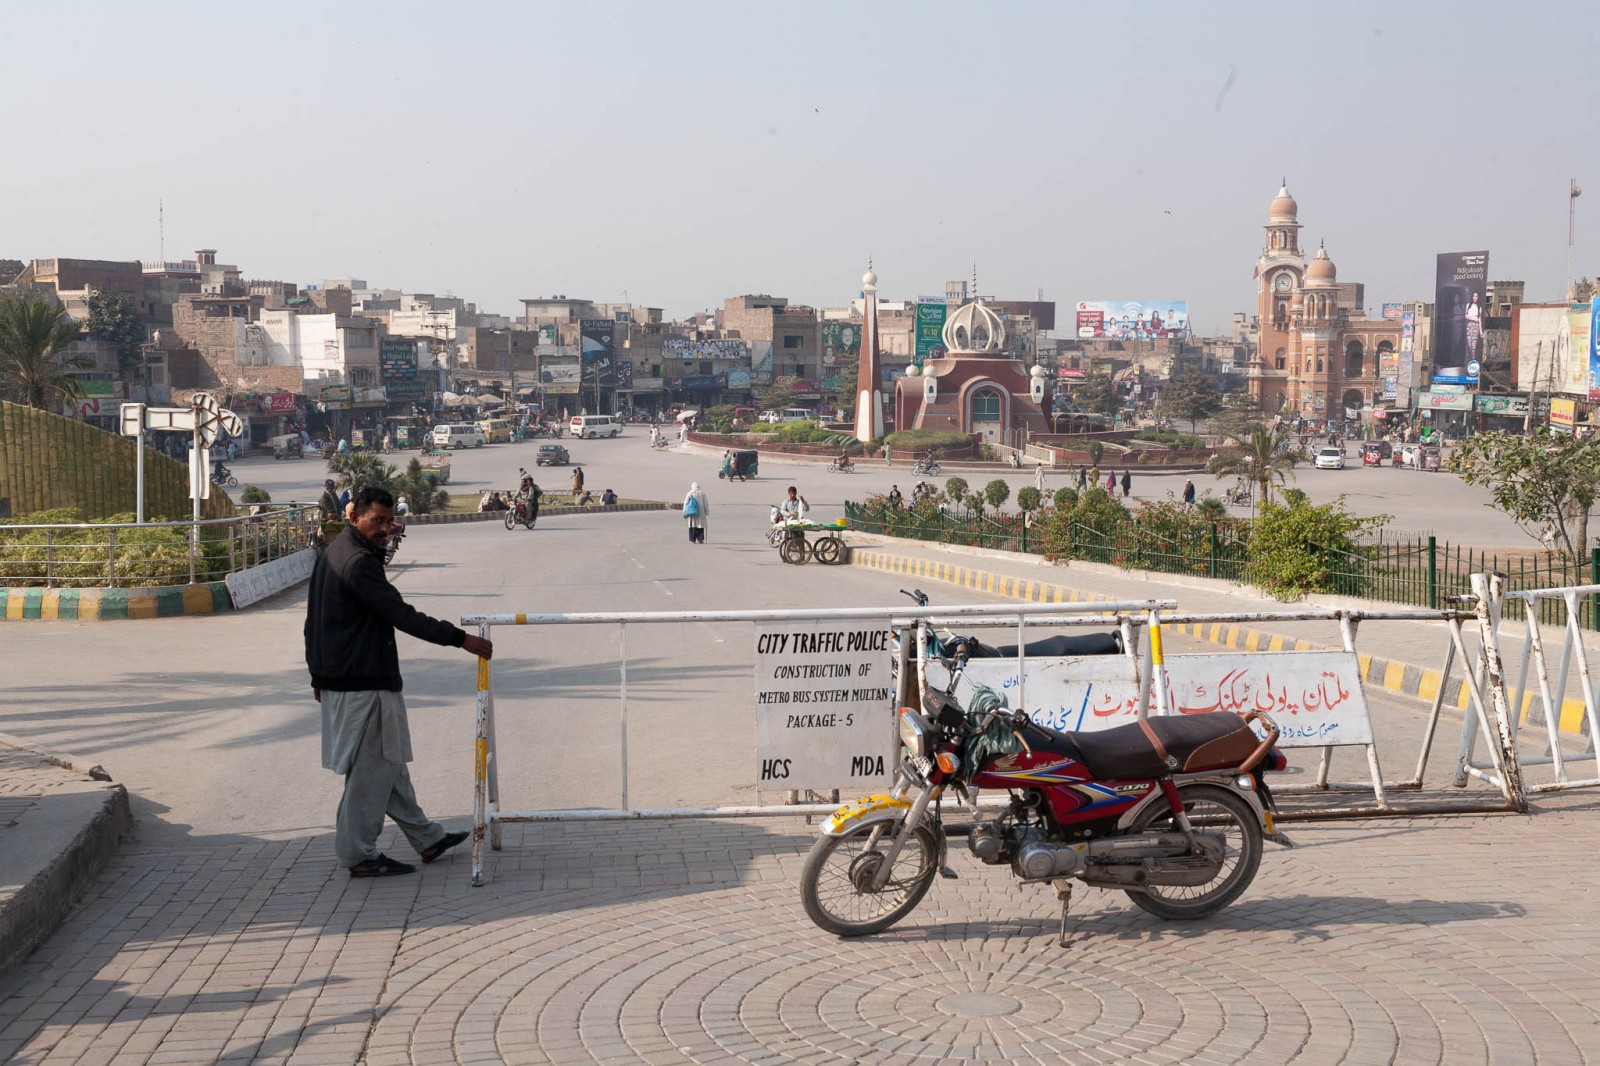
[421, 490]
[360, 470]
[1191, 396]
[1261, 457]
[997, 492]
[33, 331]
[1096, 394]
[114, 318]
[1545, 481]
[1029, 498]
[774, 397]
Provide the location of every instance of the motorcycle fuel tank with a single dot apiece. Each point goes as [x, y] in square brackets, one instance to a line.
[1070, 790]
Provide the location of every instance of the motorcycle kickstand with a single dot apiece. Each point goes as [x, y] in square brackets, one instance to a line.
[1063, 889]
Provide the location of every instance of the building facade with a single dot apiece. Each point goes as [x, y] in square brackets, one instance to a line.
[1317, 355]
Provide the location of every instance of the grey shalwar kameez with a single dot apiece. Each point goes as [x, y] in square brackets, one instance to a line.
[366, 738]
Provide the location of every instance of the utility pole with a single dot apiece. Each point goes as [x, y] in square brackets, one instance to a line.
[1573, 192]
[1533, 393]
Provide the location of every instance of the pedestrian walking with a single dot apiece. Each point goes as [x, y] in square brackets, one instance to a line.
[1188, 493]
[888, 454]
[1038, 477]
[352, 613]
[577, 480]
[696, 509]
[1083, 478]
[1127, 482]
[1111, 483]
[1094, 475]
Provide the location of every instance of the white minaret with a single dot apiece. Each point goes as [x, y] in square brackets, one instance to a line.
[869, 375]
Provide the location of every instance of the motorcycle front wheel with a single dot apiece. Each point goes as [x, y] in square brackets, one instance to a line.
[1216, 812]
[511, 520]
[836, 882]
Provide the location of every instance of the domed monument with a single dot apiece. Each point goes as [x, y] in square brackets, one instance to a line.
[976, 387]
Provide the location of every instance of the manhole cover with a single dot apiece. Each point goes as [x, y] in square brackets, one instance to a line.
[978, 1005]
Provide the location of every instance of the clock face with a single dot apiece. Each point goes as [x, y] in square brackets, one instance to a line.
[1281, 283]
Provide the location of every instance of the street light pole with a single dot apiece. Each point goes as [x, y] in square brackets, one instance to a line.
[1573, 192]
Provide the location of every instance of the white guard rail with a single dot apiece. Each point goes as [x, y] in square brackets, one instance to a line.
[487, 816]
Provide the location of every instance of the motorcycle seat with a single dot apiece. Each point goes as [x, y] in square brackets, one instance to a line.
[1216, 740]
[1049, 647]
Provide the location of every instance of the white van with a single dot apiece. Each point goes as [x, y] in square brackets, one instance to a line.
[584, 426]
[458, 435]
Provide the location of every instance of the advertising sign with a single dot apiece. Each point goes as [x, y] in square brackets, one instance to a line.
[739, 378]
[824, 706]
[1444, 401]
[1459, 308]
[1579, 343]
[1542, 335]
[1594, 348]
[687, 348]
[278, 402]
[841, 342]
[1406, 372]
[624, 373]
[1393, 310]
[1132, 319]
[761, 363]
[1563, 412]
[930, 331]
[1389, 372]
[699, 381]
[1512, 406]
[558, 374]
[397, 363]
[595, 342]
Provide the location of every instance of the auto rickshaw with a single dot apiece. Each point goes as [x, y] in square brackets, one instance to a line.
[740, 464]
[288, 446]
[1431, 459]
[1374, 452]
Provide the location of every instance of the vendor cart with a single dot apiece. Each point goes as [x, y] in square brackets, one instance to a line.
[804, 540]
[288, 446]
[437, 466]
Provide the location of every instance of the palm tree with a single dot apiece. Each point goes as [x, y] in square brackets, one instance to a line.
[1261, 458]
[33, 331]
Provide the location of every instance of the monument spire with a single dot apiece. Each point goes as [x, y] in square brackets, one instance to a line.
[869, 373]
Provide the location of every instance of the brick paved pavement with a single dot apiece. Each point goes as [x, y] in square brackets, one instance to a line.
[1459, 941]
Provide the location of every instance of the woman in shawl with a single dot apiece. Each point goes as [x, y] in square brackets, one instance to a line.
[696, 509]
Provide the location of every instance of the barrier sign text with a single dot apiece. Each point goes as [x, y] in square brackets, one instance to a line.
[824, 706]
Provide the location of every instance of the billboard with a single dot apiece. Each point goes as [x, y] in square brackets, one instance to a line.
[624, 374]
[1132, 319]
[558, 374]
[397, 363]
[930, 330]
[1594, 348]
[1393, 310]
[1579, 343]
[1510, 406]
[841, 342]
[1563, 412]
[595, 342]
[1542, 335]
[1389, 373]
[1444, 401]
[685, 348]
[1459, 308]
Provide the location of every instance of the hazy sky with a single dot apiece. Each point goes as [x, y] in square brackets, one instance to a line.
[680, 153]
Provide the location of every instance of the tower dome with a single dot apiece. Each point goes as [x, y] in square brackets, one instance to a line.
[1321, 271]
[974, 328]
[1283, 208]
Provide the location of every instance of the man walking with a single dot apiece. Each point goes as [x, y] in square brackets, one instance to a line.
[351, 614]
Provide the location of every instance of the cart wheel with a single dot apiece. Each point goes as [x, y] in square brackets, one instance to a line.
[511, 519]
[720, 475]
[828, 550]
[794, 550]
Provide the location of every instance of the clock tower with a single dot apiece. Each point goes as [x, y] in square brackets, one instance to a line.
[1280, 278]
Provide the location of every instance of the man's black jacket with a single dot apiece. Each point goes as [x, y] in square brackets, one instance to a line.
[351, 614]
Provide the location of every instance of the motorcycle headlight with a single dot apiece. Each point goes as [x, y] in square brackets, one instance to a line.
[916, 733]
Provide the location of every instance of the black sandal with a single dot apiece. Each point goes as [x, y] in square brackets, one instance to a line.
[448, 841]
[382, 866]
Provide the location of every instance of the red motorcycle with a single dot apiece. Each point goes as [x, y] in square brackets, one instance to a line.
[1172, 810]
[524, 509]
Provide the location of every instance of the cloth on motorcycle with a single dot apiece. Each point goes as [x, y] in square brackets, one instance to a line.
[999, 738]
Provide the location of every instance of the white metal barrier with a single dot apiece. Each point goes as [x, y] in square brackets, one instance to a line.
[488, 818]
[1546, 706]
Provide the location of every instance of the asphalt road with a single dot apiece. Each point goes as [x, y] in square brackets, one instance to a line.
[210, 723]
[1418, 503]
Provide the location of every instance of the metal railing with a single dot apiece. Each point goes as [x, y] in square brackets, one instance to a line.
[1423, 571]
[135, 555]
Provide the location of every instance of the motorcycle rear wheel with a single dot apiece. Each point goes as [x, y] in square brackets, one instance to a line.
[1211, 810]
[835, 882]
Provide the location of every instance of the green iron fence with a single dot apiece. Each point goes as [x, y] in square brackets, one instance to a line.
[1420, 571]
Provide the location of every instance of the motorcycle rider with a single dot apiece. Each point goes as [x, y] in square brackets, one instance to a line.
[528, 493]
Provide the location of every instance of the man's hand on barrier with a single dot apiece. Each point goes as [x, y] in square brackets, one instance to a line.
[483, 649]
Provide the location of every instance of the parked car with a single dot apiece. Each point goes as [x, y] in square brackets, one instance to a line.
[551, 455]
[1330, 459]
